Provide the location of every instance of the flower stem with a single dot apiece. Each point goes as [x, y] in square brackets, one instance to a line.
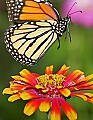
[48, 115]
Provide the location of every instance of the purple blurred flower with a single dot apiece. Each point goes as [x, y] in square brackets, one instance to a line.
[86, 6]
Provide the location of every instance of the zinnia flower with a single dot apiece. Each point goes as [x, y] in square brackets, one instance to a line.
[50, 91]
[86, 6]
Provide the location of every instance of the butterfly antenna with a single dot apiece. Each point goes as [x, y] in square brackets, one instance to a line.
[75, 12]
[58, 43]
[71, 8]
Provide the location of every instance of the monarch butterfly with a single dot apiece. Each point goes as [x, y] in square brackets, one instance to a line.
[36, 25]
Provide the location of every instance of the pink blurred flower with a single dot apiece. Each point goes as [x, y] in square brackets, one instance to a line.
[86, 6]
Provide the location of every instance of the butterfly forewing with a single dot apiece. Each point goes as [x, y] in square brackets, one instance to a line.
[10, 8]
[30, 10]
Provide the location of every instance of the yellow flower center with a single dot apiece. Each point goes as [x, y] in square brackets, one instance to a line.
[52, 86]
[52, 79]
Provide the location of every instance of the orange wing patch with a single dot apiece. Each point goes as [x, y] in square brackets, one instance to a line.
[31, 3]
[48, 10]
[37, 11]
[31, 10]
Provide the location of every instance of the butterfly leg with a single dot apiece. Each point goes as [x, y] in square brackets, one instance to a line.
[66, 35]
[69, 36]
[58, 43]
[68, 32]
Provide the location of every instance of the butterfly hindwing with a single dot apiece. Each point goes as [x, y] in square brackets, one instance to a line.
[28, 42]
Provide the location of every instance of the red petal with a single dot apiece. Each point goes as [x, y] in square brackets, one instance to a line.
[83, 86]
[49, 70]
[85, 96]
[21, 80]
[32, 106]
[28, 94]
[73, 77]
[64, 69]
[68, 109]
[80, 95]
[55, 112]
[17, 86]
[29, 76]
[85, 79]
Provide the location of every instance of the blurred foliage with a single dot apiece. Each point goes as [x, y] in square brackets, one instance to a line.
[77, 54]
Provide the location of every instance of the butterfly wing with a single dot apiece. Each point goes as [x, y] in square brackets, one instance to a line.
[10, 8]
[31, 10]
[33, 31]
[28, 42]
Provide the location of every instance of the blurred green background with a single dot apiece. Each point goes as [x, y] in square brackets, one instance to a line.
[77, 54]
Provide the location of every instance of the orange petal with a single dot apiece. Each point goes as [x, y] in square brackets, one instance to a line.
[55, 112]
[29, 76]
[21, 79]
[85, 96]
[39, 87]
[16, 77]
[68, 109]
[32, 106]
[85, 79]
[89, 77]
[73, 77]
[27, 95]
[89, 97]
[85, 86]
[65, 92]
[49, 70]
[14, 98]
[80, 96]
[64, 69]
[17, 87]
[90, 100]
[45, 105]
[88, 94]
[7, 91]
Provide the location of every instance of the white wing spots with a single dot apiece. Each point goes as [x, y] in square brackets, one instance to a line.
[14, 8]
[17, 9]
[10, 8]
[39, 0]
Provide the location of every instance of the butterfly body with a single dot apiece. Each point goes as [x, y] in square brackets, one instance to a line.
[61, 27]
[36, 26]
